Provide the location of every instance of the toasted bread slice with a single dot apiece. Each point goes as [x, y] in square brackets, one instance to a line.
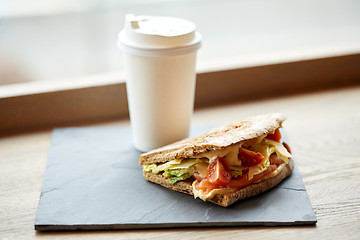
[216, 139]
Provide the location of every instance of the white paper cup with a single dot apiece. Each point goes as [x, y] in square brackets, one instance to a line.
[160, 57]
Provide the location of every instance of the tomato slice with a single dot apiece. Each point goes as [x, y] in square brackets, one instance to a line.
[244, 181]
[197, 176]
[207, 186]
[218, 172]
[249, 158]
[259, 176]
[276, 136]
[238, 183]
[275, 160]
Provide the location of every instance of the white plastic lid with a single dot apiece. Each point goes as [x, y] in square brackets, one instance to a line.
[158, 36]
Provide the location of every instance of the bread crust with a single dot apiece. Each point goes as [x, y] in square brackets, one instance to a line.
[216, 139]
[226, 199]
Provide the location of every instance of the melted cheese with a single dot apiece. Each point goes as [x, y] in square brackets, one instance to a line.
[200, 194]
[186, 163]
[230, 153]
[168, 165]
[177, 164]
[275, 172]
[202, 168]
[266, 151]
[280, 149]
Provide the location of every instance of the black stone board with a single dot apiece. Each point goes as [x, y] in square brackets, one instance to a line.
[93, 182]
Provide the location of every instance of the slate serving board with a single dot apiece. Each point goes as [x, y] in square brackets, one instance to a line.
[93, 182]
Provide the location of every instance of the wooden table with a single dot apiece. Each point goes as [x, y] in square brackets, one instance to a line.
[324, 130]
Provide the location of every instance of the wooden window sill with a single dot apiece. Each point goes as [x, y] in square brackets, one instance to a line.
[43, 105]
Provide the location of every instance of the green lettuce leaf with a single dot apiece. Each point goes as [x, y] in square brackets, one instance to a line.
[177, 175]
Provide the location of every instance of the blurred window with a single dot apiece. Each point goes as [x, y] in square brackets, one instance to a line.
[62, 40]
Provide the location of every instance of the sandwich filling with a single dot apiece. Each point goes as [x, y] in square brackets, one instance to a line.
[229, 169]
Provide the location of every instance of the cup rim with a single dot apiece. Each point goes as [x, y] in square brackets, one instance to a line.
[130, 47]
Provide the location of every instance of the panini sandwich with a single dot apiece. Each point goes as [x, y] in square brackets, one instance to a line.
[226, 164]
